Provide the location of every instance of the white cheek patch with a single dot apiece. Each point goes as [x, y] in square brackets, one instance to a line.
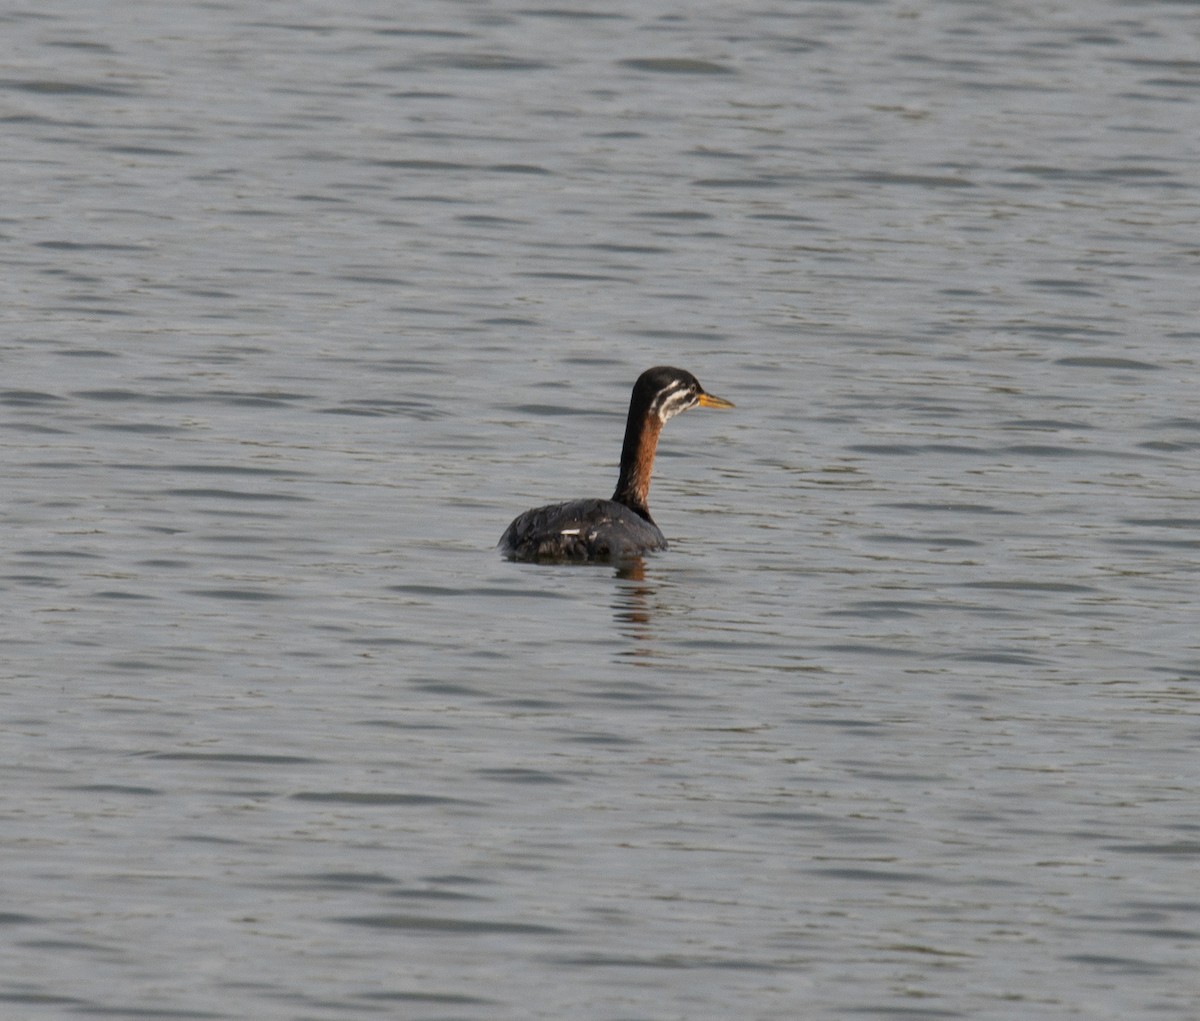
[675, 402]
[569, 531]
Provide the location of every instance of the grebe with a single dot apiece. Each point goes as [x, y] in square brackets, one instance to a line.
[613, 529]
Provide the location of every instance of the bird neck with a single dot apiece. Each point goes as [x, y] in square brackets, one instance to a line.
[637, 462]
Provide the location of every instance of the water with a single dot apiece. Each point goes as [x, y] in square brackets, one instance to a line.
[303, 305]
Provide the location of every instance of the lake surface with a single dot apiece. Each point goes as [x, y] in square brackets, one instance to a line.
[303, 303]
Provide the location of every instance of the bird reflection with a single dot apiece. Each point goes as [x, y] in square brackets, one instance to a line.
[633, 607]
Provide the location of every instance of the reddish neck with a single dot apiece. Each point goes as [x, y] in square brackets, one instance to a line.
[637, 462]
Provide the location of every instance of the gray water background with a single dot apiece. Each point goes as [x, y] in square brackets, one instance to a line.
[303, 302]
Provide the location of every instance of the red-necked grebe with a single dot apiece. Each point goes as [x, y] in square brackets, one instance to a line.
[595, 529]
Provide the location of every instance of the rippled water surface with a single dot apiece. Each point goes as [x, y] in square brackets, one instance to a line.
[304, 302]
